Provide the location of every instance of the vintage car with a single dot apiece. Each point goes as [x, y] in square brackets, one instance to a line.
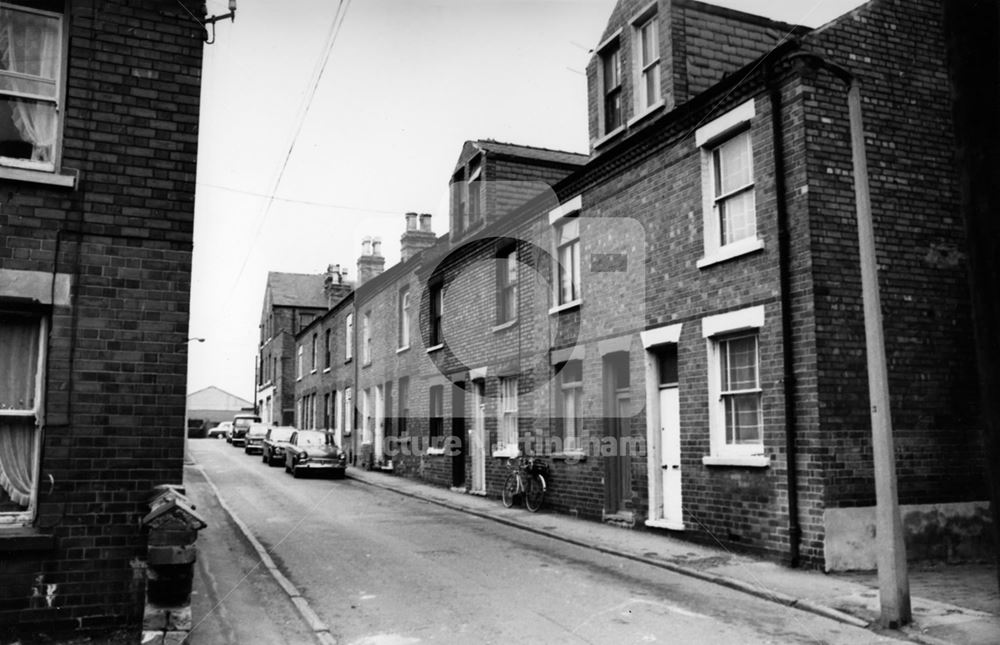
[241, 423]
[253, 440]
[314, 451]
[275, 441]
[221, 431]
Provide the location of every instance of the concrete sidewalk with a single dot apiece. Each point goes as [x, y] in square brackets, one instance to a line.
[965, 606]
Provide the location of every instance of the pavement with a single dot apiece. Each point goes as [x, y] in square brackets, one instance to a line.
[952, 603]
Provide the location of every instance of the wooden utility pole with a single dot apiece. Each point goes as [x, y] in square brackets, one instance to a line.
[893, 579]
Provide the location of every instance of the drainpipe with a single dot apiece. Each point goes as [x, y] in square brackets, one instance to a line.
[788, 357]
[894, 586]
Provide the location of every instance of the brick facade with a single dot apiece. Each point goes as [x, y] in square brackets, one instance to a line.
[109, 235]
[659, 279]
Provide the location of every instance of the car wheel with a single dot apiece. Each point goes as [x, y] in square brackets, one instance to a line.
[287, 469]
[296, 473]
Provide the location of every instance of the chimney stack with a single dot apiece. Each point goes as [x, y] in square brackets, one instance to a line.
[371, 263]
[418, 235]
[334, 285]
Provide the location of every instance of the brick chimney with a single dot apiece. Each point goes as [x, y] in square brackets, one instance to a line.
[335, 285]
[418, 235]
[371, 263]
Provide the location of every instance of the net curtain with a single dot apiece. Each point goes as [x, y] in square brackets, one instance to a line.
[18, 370]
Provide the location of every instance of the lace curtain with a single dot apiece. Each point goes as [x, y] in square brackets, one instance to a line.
[19, 340]
[29, 47]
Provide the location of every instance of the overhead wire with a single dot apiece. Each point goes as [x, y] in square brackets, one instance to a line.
[303, 111]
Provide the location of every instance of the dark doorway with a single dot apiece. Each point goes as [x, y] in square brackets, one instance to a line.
[617, 415]
[458, 432]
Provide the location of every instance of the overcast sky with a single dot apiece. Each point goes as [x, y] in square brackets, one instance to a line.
[406, 82]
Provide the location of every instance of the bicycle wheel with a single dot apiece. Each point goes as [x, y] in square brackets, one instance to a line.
[509, 490]
[534, 493]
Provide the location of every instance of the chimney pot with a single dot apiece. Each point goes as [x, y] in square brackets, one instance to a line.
[366, 246]
[377, 247]
[411, 221]
[425, 222]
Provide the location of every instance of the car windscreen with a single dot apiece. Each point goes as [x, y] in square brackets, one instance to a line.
[312, 439]
[281, 434]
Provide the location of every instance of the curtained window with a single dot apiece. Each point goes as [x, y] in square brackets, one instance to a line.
[21, 364]
[30, 65]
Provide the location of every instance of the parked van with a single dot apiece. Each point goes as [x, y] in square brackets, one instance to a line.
[241, 423]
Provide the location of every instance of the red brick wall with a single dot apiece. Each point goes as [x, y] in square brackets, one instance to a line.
[117, 363]
[899, 56]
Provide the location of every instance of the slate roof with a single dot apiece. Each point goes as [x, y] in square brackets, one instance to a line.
[531, 152]
[296, 289]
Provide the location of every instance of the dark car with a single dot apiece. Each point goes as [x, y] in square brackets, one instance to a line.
[273, 452]
[242, 423]
[253, 440]
[314, 451]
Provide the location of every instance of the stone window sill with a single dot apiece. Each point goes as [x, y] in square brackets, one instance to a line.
[67, 179]
[435, 348]
[506, 453]
[435, 451]
[746, 461]
[730, 251]
[566, 306]
[504, 325]
[570, 456]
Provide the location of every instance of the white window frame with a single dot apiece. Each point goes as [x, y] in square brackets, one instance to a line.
[507, 273]
[37, 412]
[643, 103]
[710, 138]
[26, 169]
[507, 419]
[436, 331]
[558, 218]
[717, 330]
[349, 337]
[348, 410]
[570, 401]
[611, 45]
[367, 433]
[366, 338]
[298, 363]
[315, 340]
[404, 318]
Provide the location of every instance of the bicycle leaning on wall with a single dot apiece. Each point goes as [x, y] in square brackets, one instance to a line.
[527, 479]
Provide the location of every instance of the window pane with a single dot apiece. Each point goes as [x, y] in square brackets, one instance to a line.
[32, 44]
[734, 163]
[739, 364]
[737, 217]
[17, 463]
[19, 361]
[568, 230]
[652, 76]
[648, 36]
[743, 418]
[28, 130]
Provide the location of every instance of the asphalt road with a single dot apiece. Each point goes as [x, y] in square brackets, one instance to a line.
[384, 569]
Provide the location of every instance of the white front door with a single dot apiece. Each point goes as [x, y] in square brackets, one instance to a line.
[478, 438]
[379, 424]
[670, 454]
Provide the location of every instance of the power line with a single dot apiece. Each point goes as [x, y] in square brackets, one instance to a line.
[299, 201]
[303, 111]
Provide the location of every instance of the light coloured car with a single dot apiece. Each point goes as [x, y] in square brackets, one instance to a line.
[221, 431]
[253, 441]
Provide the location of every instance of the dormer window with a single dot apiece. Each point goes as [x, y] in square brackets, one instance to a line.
[611, 86]
[473, 187]
[647, 63]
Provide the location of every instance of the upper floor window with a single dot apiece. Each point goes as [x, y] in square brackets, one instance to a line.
[366, 338]
[473, 187]
[611, 87]
[31, 45]
[436, 315]
[315, 341]
[326, 349]
[22, 354]
[349, 337]
[647, 67]
[728, 202]
[507, 284]
[460, 201]
[567, 270]
[404, 317]
[298, 361]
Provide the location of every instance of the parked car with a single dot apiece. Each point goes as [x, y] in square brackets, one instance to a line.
[314, 450]
[221, 431]
[241, 423]
[253, 441]
[275, 441]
